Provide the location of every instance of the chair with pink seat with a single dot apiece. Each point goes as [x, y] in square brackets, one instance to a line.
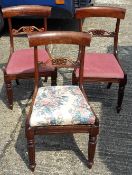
[21, 62]
[103, 67]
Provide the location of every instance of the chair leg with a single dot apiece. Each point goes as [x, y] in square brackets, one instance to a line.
[109, 85]
[91, 150]
[46, 79]
[74, 79]
[31, 148]
[54, 78]
[9, 93]
[122, 85]
[8, 86]
[17, 82]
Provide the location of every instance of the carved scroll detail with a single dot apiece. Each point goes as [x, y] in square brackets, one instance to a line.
[60, 62]
[26, 30]
[101, 33]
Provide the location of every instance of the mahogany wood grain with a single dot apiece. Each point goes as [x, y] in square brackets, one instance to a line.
[107, 13]
[22, 11]
[70, 38]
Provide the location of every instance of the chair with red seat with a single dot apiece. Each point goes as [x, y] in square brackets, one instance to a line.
[103, 67]
[65, 108]
[21, 63]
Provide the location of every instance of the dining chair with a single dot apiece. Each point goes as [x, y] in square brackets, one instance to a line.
[103, 67]
[61, 108]
[20, 64]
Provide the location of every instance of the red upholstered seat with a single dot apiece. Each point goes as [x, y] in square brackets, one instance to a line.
[22, 61]
[20, 64]
[101, 65]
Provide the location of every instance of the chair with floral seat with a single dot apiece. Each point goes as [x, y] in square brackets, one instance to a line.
[65, 108]
[20, 64]
[103, 67]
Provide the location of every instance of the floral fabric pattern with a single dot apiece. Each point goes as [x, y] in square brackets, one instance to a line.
[61, 105]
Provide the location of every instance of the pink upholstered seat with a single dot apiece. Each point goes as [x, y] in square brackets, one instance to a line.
[101, 65]
[20, 64]
[22, 61]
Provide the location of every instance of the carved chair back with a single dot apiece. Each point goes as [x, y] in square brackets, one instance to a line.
[61, 96]
[25, 11]
[106, 12]
[73, 38]
[99, 67]
[20, 64]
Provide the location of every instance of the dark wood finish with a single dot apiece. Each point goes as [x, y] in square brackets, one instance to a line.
[20, 11]
[107, 12]
[57, 38]
[23, 10]
[100, 11]
[45, 38]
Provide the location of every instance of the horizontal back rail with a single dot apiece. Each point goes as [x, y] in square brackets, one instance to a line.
[69, 37]
[100, 11]
[24, 10]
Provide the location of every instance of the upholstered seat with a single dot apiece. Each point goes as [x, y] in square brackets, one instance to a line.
[103, 67]
[100, 65]
[22, 61]
[20, 64]
[61, 105]
[61, 109]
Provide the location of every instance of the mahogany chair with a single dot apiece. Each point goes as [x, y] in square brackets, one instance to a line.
[60, 109]
[103, 67]
[21, 63]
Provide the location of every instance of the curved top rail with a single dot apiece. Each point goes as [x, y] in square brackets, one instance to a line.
[22, 10]
[57, 37]
[100, 11]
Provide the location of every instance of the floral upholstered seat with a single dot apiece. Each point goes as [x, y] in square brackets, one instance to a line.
[60, 109]
[61, 105]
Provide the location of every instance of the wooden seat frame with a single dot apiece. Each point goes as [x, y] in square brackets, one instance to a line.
[76, 38]
[107, 12]
[42, 12]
